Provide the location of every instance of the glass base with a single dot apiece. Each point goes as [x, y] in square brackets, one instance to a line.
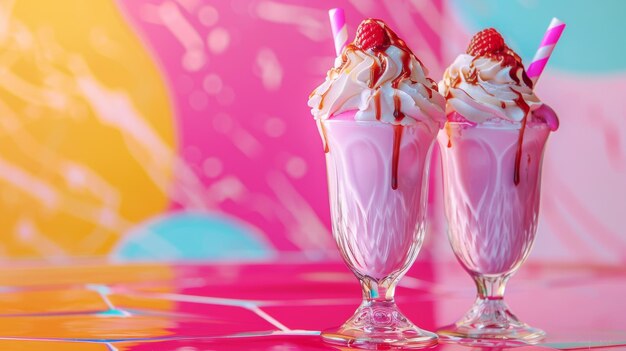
[379, 325]
[491, 322]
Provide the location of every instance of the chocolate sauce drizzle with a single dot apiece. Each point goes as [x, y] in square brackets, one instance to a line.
[324, 137]
[521, 103]
[507, 58]
[379, 65]
[376, 72]
[395, 159]
[377, 105]
[398, 115]
[456, 81]
[322, 97]
[472, 77]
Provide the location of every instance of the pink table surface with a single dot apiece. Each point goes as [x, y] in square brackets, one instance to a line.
[281, 306]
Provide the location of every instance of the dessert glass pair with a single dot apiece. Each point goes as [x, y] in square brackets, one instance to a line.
[379, 116]
[378, 207]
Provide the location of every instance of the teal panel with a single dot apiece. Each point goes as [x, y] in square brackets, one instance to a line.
[593, 41]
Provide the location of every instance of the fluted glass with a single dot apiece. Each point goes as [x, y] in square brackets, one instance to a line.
[377, 184]
[492, 183]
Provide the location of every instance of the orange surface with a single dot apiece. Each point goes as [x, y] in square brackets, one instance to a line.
[51, 301]
[33, 345]
[85, 273]
[87, 326]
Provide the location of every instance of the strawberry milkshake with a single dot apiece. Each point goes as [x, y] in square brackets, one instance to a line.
[492, 149]
[378, 114]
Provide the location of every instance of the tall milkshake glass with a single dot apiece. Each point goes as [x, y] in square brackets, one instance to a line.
[377, 177]
[492, 183]
[492, 151]
[378, 114]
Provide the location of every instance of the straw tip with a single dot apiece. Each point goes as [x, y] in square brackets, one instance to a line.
[556, 22]
[335, 10]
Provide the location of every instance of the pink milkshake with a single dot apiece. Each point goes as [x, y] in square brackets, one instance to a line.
[378, 115]
[376, 182]
[491, 220]
[492, 150]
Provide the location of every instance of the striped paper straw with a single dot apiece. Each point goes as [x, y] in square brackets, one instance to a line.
[545, 49]
[339, 28]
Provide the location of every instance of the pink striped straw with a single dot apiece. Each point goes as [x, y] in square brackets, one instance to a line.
[545, 49]
[339, 28]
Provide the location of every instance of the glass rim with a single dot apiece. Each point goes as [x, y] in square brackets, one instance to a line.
[374, 122]
[495, 126]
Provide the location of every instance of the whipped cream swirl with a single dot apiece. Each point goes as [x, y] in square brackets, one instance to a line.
[486, 90]
[390, 86]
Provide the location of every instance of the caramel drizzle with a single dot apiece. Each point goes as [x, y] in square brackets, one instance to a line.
[378, 69]
[515, 67]
[376, 72]
[527, 80]
[505, 61]
[345, 60]
[521, 103]
[395, 159]
[377, 105]
[456, 81]
[398, 115]
[513, 74]
[324, 137]
[322, 97]
[449, 134]
[472, 77]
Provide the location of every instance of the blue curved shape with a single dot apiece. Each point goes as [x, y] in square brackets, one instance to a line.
[593, 41]
[192, 236]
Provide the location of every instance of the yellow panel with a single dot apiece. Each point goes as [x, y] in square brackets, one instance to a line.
[86, 129]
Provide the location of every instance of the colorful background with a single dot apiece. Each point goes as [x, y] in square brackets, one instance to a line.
[178, 129]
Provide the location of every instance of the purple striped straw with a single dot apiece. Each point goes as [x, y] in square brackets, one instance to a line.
[339, 28]
[545, 49]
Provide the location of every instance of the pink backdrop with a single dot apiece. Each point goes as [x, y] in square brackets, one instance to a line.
[179, 129]
[240, 73]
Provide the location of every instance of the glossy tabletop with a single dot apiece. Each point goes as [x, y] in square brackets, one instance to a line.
[281, 306]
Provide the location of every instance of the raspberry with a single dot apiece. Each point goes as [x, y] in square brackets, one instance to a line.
[509, 52]
[486, 41]
[371, 35]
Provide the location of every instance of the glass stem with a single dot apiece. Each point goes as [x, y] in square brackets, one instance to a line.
[378, 291]
[490, 288]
